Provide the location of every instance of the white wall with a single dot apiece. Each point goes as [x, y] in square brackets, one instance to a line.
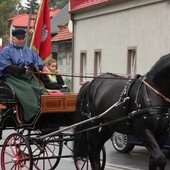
[113, 29]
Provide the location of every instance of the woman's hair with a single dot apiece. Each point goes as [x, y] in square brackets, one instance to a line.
[50, 61]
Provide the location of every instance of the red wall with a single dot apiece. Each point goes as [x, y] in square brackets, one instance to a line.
[79, 4]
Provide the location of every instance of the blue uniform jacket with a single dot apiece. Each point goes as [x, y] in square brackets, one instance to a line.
[20, 57]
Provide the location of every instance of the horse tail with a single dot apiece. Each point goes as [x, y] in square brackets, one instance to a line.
[80, 147]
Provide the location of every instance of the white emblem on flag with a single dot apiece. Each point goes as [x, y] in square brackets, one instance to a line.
[44, 33]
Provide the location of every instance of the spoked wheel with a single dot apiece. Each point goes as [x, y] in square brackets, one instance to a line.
[47, 154]
[84, 164]
[16, 153]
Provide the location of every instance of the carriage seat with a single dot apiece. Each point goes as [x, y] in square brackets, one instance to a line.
[7, 93]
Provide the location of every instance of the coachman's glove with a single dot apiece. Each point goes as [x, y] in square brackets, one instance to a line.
[34, 69]
[14, 70]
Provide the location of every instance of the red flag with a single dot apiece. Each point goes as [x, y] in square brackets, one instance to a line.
[0, 44]
[41, 41]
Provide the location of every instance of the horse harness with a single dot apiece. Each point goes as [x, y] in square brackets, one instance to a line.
[144, 113]
[150, 111]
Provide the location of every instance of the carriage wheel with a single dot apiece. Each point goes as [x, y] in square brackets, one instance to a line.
[49, 153]
[84, 164]
[16, 153]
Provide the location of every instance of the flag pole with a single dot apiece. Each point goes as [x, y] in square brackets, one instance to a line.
[36, 23]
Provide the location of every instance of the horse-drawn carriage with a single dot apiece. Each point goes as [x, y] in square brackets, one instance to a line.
[32, 146]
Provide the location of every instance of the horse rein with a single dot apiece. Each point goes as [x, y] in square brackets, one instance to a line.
[156, 91]
[34, 76]
[148, 85]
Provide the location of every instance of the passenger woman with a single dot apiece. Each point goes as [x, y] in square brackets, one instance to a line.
[52, 80]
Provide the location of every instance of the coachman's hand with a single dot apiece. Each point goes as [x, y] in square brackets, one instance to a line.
[37, 69]
[26, 69]
[64, 86]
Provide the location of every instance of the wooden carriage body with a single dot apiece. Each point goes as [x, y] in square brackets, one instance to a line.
[57, 109]
[58, 103]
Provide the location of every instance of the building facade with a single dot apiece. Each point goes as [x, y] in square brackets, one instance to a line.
[61, 31]
[118, 36]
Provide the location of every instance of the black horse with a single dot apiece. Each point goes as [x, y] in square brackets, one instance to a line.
[144, 114]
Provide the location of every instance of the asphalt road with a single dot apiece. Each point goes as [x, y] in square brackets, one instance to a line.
[137, 159]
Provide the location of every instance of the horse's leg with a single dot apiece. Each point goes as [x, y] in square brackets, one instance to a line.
[80, 146]
[161, 139]
[94, 149]
[157, 158]
[97, 138]
[94, 157]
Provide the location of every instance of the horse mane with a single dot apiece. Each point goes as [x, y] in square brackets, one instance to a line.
[109, 75]
[160, 69]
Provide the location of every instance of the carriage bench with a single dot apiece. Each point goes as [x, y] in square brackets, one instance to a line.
[58, 103]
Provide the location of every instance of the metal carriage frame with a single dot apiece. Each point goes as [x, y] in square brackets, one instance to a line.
[38, 144]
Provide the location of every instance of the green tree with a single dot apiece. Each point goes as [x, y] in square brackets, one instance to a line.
[7, 10]
[32, 6]
[11, 8]
[22, 9]
[58, 3]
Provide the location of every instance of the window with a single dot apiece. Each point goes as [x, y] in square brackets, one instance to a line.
[97, 62]
[131, 61]
[83, 73]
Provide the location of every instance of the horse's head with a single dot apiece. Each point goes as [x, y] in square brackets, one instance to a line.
[159, 75]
